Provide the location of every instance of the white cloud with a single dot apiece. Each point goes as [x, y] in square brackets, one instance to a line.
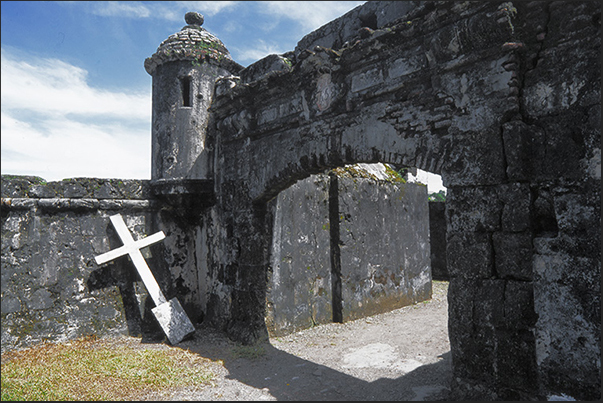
[433, 181]
[171, 11]
[260, 50]
[55, 125]
[205, 7]
[309, 14]
[120, 9]
[51, 86]
[62, 148]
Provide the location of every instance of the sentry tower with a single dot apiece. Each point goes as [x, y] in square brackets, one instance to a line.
[184, 69]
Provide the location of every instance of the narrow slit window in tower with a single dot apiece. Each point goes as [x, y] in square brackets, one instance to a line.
[186, 91]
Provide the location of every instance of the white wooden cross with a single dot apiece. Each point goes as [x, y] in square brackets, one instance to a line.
[132, 248]
[170, 314]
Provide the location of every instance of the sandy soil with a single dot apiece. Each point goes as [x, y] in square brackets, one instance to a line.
[399, 355]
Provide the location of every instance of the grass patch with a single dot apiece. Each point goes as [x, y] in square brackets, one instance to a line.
[90, 369]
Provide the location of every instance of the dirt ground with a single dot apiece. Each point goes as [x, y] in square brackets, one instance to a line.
[400, 355]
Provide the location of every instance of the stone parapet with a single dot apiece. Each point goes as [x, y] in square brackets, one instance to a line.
[66, 204]
[74, 188]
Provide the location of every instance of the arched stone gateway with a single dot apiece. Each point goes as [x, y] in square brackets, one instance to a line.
[503, 101]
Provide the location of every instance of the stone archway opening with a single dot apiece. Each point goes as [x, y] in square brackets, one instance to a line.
[349, 243]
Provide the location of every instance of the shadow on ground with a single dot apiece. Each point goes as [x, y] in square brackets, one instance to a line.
[286, 376]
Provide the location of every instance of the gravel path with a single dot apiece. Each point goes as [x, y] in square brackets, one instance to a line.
[399, 355]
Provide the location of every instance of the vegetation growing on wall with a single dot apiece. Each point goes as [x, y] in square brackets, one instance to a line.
[201, 50]
[35, 180]
[437, 197]
[356, 171]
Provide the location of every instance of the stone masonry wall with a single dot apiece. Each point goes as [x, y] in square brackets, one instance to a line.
[500, 98]
[52, 289]
[345, 248]
[299, 291]
[437, 239]
[383, 246]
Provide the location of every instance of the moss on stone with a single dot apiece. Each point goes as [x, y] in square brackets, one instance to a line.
[355, 171]
[394, 175]
[35, 180]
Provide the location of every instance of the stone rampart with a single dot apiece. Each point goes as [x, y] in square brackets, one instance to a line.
[503, 99]
[53, 290]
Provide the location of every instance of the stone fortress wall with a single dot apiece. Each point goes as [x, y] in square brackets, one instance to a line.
[501, 99]
[52, 290]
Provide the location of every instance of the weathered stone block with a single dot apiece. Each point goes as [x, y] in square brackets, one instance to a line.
[572, 326]
[366, 79]
[474, 354]
[519, 305]
[513, 255]
[19, 186]
[478, 160]
[461, 289]
[55, 204]
[40, 299]
[469, 255]
[575, 214]
[84, 204]
[42, 191]
[265, 66]
[10, 305]
[487, 309]
[473, 209]
[407, 65]
[516, 213]
[517, 373]
[18, 203]
[73, 189]
[524, 150]
[551, 89]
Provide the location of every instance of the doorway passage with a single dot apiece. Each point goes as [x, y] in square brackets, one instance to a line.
[346, 245]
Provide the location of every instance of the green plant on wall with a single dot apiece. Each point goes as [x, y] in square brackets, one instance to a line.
[437, 197]
[35, 180]
[202, 50]
[510, 12]
[395, 176]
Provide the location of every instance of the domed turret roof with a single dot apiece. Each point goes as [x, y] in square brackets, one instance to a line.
[192, 43]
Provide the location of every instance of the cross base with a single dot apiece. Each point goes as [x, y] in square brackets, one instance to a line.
[173, 320]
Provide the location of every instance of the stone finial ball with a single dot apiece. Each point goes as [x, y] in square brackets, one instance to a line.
[193, 18]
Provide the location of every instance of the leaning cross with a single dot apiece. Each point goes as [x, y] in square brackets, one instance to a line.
[170, 314]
